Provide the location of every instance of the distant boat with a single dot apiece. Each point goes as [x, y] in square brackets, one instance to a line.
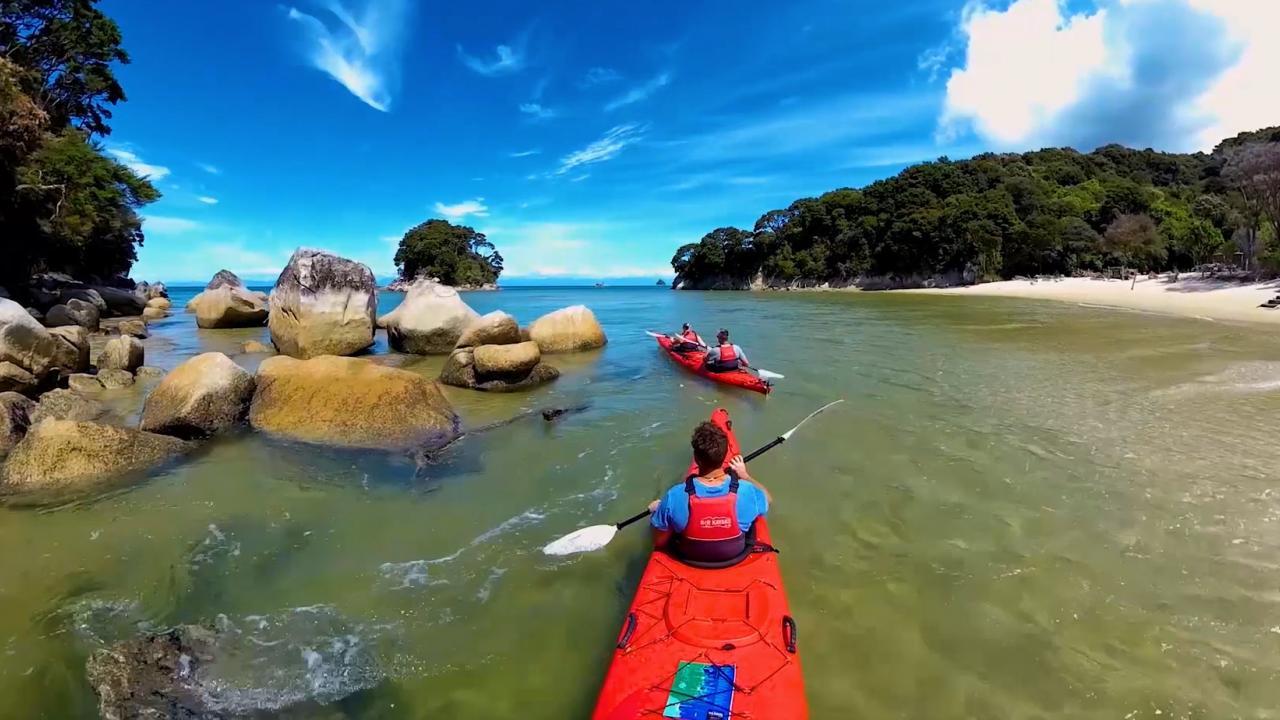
[599, 284]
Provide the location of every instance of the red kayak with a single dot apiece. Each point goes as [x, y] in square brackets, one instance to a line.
[694, 362]
[707, 644]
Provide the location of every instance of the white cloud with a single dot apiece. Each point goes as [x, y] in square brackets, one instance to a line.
[638, 93]
[362, 53]
[565, 249]
[537, 111]
[507, 60]
[131, 160]
[579, 178]
[599, 76]
[606, 148]
[208, 200]
[211, 169]
[526, 153]
[1172, 74]
[466, 207]
[168, 225]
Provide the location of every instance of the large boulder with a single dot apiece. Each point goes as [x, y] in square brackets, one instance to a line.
[15, 379]
[224, 278]
[255, 347]
[495, 328]
[73, 348]
[59, 455]
[114, 379]
[83, 382]
[15, 418]
[160, 302]
[24, 341]
[153, 313]
[322, 304]
[87, 295]
[429, 321]
[202, 396]
[64, 404]
[350, 402]
[460, 371]
[570, 329]
[516, 359]
[134, 327]
[120, 301]
[151, 291]
[121, 353]
[228, 306]
[74, 312]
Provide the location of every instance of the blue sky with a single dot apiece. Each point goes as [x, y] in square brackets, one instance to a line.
[589, 140]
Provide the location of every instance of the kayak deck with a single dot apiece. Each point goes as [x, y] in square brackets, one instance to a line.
[693, 361]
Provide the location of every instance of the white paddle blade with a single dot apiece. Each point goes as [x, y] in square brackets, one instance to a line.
[653, 334]
[584, 540]
[767, 375]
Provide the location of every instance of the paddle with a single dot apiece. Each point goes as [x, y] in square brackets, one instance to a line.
[766, 374]
[597, 536]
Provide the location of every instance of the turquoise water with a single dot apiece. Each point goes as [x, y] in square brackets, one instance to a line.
[1023, 510]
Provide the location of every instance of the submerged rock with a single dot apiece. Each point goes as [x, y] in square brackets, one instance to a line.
[59, 455]
[350, 402]
[322, 304]
[154, 677]
[571, 329]
[495, 328]
[461, 370]
[255, 347]
[202, 396]
[114, 379]
[15, 418]
[83, 382]
[516, 359]
[148, 371]
[429, 321]
[121, 353]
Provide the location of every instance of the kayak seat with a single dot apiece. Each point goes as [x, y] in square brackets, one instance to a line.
[749, 547]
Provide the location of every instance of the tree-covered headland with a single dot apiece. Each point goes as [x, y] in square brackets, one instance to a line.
[454, 254]
[997, 216]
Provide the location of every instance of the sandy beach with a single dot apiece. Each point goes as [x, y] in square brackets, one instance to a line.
[1189, 296]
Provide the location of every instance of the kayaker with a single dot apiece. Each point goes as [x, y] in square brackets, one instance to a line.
[687, 340]
[707, 519]
[725, 356]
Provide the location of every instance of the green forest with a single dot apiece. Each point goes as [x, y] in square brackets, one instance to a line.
[454, 254]
[65, 205]
[997, 216]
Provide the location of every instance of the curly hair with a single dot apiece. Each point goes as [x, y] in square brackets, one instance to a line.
[710, 445]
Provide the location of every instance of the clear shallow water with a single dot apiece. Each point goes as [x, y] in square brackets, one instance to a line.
[1023, 510]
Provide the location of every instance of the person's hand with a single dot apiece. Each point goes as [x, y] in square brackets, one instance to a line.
[738, 467]
[653, 506]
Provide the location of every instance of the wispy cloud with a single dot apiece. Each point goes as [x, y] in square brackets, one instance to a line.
[579, 178]
[599, 76]
[537, 111]
[208, 200]
[640, 92]
[168, 225]
[361, 50]
[606, 148]
[131, 160]
[211, 169]
[507, 60]
[526, 153]
[460, 210]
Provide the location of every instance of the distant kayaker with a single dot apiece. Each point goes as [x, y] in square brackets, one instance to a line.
[725, 356]
[707, 519]
[687, 340]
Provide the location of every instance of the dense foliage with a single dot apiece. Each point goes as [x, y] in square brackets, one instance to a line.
[1054, 211]
[455, 254]
[64, 204]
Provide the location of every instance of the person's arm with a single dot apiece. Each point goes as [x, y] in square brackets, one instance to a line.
[660, 522]
[738, 467]
[742, 357]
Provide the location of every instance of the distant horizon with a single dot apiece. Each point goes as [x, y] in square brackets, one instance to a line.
[502, 282]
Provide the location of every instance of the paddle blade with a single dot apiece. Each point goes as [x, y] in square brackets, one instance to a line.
[653, 334]
[584, 540]
[767, 375]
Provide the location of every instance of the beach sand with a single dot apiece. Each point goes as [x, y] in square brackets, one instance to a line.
[1190, 296]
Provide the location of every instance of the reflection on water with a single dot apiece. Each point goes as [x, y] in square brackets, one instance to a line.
[1023, 510]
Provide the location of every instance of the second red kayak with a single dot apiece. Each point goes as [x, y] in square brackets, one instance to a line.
[693, 361]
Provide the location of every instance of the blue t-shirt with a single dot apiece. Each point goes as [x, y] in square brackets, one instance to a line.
[673, 512]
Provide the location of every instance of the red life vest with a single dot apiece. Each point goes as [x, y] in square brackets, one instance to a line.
[727, 354]
[690, 335]
[713, 535]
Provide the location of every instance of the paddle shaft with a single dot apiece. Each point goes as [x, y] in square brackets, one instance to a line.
[747, 458]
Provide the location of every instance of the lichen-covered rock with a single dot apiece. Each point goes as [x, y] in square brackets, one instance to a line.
[15, 418]
[83, 382]
[571, 329]
[322, 304]
[24, 341]
[113, 379]
[429, 321]
[64, 404]
[516, 359]
[154, 677]
[73, 348]
[202, 396]
[121, 302]
[350, 402]
[121, 353]
[68, 455]
[228, 306]
[148, 371]
[255, 347]
[153, 313]
[133, 328]
[459, 369]
[495, 328]
[540, 374]
[15, 379]
[160, 302]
